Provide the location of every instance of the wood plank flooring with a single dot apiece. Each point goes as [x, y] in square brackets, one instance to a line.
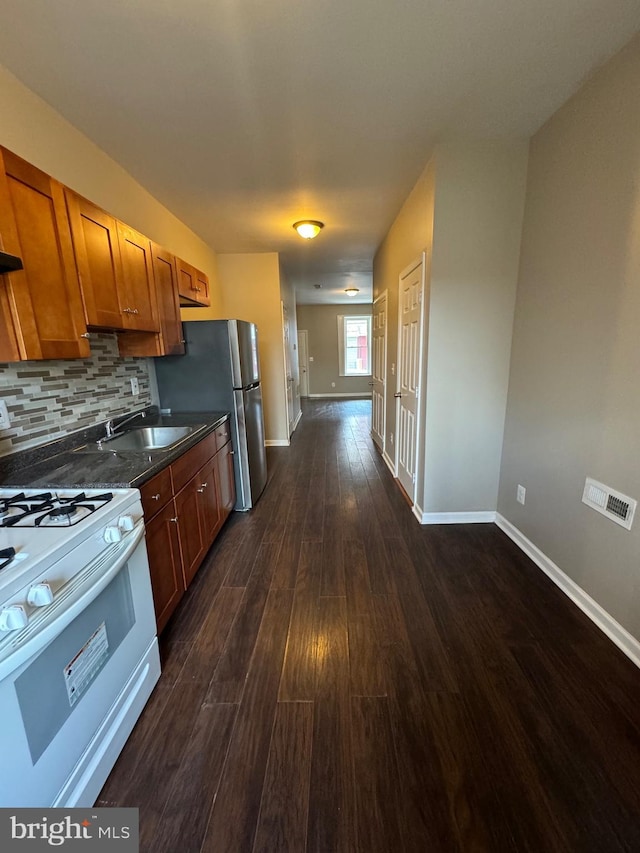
[339, 678]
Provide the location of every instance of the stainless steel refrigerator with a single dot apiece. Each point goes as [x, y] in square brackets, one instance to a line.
[220, 371]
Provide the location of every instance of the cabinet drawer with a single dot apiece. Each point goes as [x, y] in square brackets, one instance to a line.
[184, 468]
[156, 493]
[222, 434]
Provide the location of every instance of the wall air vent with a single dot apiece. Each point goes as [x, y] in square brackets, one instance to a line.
[614, 505]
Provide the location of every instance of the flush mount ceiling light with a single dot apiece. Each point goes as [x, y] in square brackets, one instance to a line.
[308, 228]
[351, 291]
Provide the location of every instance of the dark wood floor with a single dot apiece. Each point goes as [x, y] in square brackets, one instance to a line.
[339, 678]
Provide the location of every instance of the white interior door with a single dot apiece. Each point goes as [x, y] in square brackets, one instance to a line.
[410, 296]
[303, 361]
[287, 368]
[379, 370]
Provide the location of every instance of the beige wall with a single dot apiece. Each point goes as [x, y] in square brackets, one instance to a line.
[250, 290]
[34, 131]
[321, 322]
[479, 203]
[465, 212]
[574, 394]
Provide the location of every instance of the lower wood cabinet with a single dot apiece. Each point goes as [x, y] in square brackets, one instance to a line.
[165, 563]
[185, 506]
[191, 529]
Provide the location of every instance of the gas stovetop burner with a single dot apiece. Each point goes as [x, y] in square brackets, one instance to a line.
[47, 509]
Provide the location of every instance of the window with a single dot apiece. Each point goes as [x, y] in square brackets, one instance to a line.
[354, 345]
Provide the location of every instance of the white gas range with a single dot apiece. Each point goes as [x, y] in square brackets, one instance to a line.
[78, 652]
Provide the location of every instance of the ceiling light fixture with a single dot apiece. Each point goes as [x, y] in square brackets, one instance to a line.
[308, 228]
[351, 291]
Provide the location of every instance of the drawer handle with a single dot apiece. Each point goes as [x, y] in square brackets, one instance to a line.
[155, 497]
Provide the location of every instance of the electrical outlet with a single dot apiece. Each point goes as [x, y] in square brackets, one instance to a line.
[521, 493]
[391, 438]
[333, 384]
[135, 386]
[4, 416]
[393, 370]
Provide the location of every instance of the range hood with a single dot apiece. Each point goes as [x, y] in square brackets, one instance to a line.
[9, 263]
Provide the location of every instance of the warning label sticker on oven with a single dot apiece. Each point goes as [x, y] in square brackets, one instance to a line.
[80, 672]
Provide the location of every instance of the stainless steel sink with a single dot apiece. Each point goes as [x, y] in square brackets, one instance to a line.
[147, 438]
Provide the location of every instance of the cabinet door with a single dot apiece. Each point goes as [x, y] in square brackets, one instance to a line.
[137, 275]
[163, 548]
[193, 285]
[190, 526]
[44, 298]
[226, 481]
[186, 280]
[202, 289]
[95, 240]
[209, 501]
[166, 278]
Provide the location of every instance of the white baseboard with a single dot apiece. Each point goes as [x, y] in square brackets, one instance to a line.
[277, 442]
[297, 420]
[332, 396]
[483, 517]
[389, 461]
[625, 641]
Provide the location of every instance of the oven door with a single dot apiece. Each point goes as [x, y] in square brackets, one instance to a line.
[79, 683]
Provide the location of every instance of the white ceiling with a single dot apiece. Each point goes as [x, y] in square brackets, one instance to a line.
[243, 116]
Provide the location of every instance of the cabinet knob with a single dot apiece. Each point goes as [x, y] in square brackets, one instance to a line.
[135, 311]
[174, 520]
[204, 485]
[85, 335]
[155, 497]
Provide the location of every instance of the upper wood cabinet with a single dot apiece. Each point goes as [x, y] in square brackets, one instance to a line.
[166, 277]
[95, 240]
[193, 286]
[82, 267]
[41, 312]
[169, 340]
[115, 267]
[137, 279]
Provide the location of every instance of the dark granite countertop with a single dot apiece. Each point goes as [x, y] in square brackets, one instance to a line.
[72, 462]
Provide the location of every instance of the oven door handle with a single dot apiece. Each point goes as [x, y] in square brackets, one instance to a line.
[52, 621]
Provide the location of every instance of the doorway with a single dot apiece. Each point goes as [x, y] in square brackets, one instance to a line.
[379, 371]
[289, 389]
[303, 361]
[410, 346]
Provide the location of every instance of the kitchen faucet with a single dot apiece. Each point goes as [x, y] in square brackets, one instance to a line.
[112, 429]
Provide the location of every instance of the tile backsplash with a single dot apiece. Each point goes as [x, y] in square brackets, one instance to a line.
[48, 399]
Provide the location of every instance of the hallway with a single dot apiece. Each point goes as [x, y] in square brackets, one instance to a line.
[339, 678]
